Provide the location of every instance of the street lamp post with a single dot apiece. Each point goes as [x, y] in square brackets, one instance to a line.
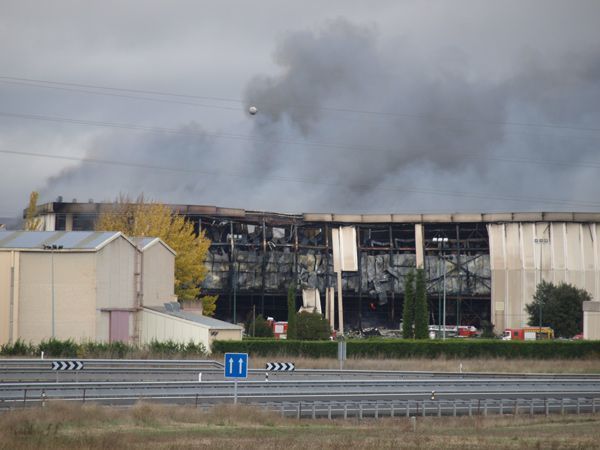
[442, 241]
[52, 248]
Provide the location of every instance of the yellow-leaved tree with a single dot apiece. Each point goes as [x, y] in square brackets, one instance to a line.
[32, 223]
[140, 218]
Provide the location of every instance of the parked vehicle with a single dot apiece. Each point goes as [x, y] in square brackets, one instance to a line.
[528, 334]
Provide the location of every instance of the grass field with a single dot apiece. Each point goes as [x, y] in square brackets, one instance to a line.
[442, 364]
[62, 425]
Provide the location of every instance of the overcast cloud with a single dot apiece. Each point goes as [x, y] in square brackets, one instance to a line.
[392, 106]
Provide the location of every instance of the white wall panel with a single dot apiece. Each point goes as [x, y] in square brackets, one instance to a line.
[522, 254]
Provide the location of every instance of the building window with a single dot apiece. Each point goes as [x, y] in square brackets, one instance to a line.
[60, 222]
[83, 222]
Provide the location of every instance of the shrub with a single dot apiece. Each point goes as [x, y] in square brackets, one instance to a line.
[259, 327]
[57, 348]
[400, 348]
[19, 348]
[312, 326]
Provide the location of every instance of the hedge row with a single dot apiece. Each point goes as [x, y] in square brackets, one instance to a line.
[71, 349]
[400, 348]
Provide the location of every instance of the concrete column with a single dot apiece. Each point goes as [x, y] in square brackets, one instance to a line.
[420, 245]
[69, 222]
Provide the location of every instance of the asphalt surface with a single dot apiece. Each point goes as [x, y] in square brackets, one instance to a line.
[121, 382]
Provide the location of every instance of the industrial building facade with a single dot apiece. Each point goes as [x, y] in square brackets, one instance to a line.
[94, 286]
[486, 265]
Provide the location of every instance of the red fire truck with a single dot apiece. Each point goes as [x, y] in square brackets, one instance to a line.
[528, 334]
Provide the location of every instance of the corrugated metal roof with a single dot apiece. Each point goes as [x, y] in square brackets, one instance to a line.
[202, 320]
[145, 242]
[69, 240]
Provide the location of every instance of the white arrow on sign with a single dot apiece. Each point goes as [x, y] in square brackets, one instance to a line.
[230, 365]
[241, 361]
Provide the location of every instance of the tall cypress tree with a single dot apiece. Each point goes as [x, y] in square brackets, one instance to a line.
[421, 310]
[292, 331]
[408, 313]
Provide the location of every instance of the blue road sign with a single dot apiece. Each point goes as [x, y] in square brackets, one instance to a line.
[236, 365]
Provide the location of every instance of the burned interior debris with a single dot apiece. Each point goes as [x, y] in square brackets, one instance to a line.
[254, 257]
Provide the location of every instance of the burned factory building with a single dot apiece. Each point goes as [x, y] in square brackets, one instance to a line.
[486, 266]
[255, 256]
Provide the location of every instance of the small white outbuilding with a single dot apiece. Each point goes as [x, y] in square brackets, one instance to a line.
[94, 286]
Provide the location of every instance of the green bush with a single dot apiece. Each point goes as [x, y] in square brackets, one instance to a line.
[57, 348]
[259, 327]
[312, 326]
[70, 349]
[19, 348]
[400, 348]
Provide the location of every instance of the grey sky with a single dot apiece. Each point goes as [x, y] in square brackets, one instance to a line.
[391, 106]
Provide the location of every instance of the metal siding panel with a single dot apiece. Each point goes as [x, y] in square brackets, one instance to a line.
[317, 217]
[530, 278]
[352, 218]
[231, 212]
[514, 307]
[527, 245]
[586, 217]
[437, 218]
[349, 250]
[557, 242]
[501, 217]
[407, 218]
[467, 218]
[498, 298]
[377, 218]
[496, 243]
[527, 217]
[513, 247]
[587, 246]
[574, 257]
[419, 246]
[558, 217]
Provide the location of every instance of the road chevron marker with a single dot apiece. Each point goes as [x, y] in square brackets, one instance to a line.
[280, 366]
[67, 365]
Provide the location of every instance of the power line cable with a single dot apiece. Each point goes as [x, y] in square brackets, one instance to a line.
[308, 107]
[372, 187]
[242, 137]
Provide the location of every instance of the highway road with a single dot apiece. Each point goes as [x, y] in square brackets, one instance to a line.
[320, 392]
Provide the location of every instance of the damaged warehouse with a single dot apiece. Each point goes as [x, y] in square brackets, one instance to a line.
[255, 256]
[488, 265]
[254, 259]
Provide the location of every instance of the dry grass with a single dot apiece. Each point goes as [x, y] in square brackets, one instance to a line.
[442, 364]
[148, 426]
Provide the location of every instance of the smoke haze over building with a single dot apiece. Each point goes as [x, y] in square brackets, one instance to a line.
[407, 107]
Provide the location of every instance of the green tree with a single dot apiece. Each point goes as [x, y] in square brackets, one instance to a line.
[421, 309]
[150, 219]
[259, 327]
[312, 326]
[32, 223]
[558, 307]
[292, 329]
[408, 313]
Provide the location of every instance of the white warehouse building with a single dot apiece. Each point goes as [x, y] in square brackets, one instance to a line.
[94, 286]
